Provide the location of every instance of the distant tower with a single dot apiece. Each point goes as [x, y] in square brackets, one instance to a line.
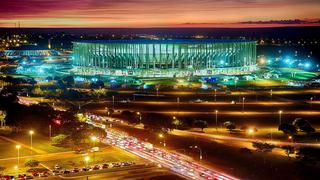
[49, 43]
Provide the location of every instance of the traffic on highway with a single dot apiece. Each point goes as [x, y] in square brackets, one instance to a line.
[179, 164]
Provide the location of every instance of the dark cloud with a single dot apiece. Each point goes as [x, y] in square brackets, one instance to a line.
[290, 21]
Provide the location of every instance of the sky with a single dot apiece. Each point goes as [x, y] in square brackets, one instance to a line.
[159, 13]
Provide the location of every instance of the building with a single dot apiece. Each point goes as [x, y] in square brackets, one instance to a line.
[29, 51]
[164, 58]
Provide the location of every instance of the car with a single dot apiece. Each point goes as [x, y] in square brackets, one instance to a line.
[56, 172]
[66, 172]
[85, 169]
[75, 170]
[95, 167]
[127, 163]
[125, 101]
[116, 164]
[43, 174]
[105, 166]
[35, 174]
[57, 166]
[28, 177]
[7, 177]
[95, 149]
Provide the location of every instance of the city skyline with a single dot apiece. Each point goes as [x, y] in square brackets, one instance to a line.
[160, 13]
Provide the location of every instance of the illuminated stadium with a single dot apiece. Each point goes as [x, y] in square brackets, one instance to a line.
[164, 58]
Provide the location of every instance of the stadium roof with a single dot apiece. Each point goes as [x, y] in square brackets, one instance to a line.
[174, 41]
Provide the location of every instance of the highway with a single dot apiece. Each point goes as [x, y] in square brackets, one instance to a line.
[180, 164]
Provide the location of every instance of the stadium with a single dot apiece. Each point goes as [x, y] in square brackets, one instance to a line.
[30, 51]
[164, 58]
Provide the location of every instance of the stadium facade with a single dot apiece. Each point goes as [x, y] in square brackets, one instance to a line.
[164, 58]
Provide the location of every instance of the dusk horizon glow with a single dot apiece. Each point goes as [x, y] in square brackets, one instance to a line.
[159, 13]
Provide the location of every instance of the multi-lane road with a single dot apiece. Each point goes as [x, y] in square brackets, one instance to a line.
[180, 164]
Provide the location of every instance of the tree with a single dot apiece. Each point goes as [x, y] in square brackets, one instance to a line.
[230, 126]
[59, 139]
[176, 122]
[200, 124]
[287, 128]
[157, 122]
[81, 117]
[308, 155]
[303, 125]
[68, 80]
[129, 116]
[31, 163]
[288, 150]
[3, 115]
[37, 91]
[263, 147]
[2, 168]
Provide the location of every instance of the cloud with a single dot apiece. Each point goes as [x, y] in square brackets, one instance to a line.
[136, 13]
[289, 21]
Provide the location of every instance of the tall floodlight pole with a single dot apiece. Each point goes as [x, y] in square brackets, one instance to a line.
[280, 114]
[216, 111]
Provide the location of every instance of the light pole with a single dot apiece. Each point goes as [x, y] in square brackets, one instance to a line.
[50, 132]
[94, 139]
[18, 148]
[251, 132]
[215, 95]
[87, 159]
[243, 103]
[311, 101]
[174, 121]
[280, 113]
[200, 151]
[140, 117]
[216, 111]
[164, 139]
[31, 132]
[157, 91]
[112, 102]
[271, 93]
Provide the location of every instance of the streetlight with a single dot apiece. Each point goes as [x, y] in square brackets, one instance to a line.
[251, 132]
[216, 111]
[18, 148]
[140, 117]
[94, 139]
[87, 159]
[164, 139]
[311, 101]
[215, 95]
[200, 151]
[113, 102]
[157, 91]
[31, 132]
[178, 103]
[243, 103]
[280, 113]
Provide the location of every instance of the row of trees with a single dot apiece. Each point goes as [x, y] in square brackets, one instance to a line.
[297, 125]
[304, 155]
[156, 121]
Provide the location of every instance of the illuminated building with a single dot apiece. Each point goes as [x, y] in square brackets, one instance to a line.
[164, 58]
[29, 51]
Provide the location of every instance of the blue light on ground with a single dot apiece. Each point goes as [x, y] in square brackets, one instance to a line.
[94, 79]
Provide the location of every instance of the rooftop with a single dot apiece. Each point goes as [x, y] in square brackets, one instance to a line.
[175, 41]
